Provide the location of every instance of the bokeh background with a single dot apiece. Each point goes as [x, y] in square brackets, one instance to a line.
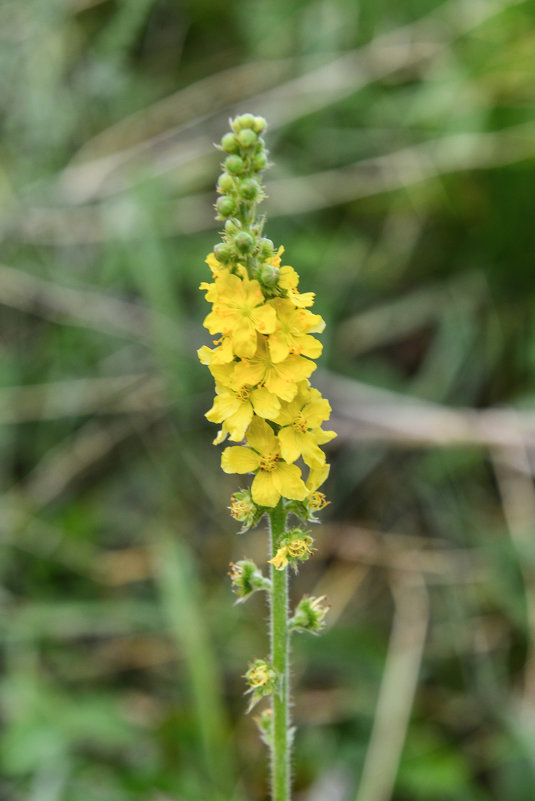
[403, 136]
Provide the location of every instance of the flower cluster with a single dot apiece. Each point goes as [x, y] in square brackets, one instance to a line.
[265, 348]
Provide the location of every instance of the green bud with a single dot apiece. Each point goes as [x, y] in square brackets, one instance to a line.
[229, 143]
[267, 248]
[259, 125]
[247, 137]
[268, 275]
[309, 615]
[235, 165]
[223, 253]
[244, 242]
[249, 189]
[259, 162]
[225, 182]
[242, 122]
[232, 228]
[226, 206]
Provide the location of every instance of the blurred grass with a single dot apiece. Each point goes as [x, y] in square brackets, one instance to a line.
[403, 144]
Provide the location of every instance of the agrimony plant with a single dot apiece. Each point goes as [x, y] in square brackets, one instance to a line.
[261, 363]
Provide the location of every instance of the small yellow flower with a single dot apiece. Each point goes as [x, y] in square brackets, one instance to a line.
[292, 332]
[239, 311]
[235, 408]
[301, 432]
[280, 378]
[273, 476]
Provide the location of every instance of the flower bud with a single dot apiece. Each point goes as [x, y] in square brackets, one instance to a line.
[266, 248]
[259, 125]
[226, 206]
[223, 253]
[234, 164]
[259, 162]
[309, 615]
[232, 227]
[242, 122]
[249, 189]
[229, 143]
[268, 275]
[225, 182]
[247, 137]
[246, 579]
[244, 242]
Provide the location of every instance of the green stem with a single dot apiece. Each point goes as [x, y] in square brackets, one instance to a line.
[280, 747]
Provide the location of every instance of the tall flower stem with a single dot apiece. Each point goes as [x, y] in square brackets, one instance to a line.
[280, 744]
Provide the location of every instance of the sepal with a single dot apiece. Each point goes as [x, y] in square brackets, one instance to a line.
[309, 615]
[247, 579]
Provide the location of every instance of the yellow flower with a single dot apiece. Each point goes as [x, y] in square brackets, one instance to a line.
[292, 332]
[301, 432]
[280, 378]
[239, 311]
[288, 280]
[235, 408]
[273, 476]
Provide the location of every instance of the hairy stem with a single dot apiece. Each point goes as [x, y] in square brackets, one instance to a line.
[280, 747]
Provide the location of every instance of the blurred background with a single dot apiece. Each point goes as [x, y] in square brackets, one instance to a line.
[403, 136]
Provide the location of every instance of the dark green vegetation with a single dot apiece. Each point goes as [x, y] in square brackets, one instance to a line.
[404, 141]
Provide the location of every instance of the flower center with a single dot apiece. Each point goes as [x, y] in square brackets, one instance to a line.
[300, 423]
[268, 463]
[243, 392]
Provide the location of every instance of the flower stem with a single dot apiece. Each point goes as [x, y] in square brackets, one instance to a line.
[280, 746]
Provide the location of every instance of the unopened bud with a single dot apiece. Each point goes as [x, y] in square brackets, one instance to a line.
[226, 206]
[242, 122]
[229, 143]
[223, 253]
[259, 162]
[244, 242]
[268, 275]
[259, 125]
[247, 137]
[249, 189]
[235, 165]
[225, 182]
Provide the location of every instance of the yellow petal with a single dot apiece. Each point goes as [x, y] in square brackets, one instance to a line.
[310, 346]
[238, 423]
[264, 319]
[288, 278]
[279, 349]
[322, 436]
[263, 489]
[261, 437]
[237, 459]
[287, 479]
[280, 560]
[316, 412]
[290, 442]
[224, 406]
[283, 387]
[265, 403]
[316, 477]
[244, 339]
[313, 456]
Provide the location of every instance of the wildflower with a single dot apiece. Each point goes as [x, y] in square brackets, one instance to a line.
[273, 476]
[291, 334]
[301, 432]
[239, 311]
[280, 378]
[235, 407]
